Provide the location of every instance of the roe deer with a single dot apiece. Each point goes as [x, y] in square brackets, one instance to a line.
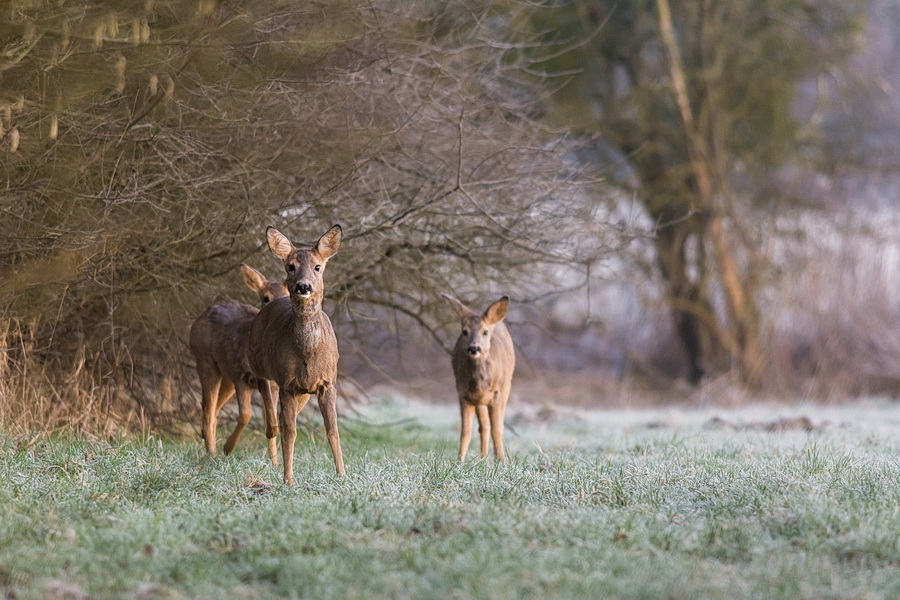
[483, 363]
[292, 343]
[217, 342]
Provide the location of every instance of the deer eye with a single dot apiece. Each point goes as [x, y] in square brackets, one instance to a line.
[290, 268]
[266, 300]
[465, 332]
[485, 332]
[318, 267]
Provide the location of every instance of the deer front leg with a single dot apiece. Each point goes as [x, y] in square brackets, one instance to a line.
[496, 414]
[288, 421]
[484, 427]
[268, 397]
[267, 391]
[327, 399]
[243, 398]
[467, 411]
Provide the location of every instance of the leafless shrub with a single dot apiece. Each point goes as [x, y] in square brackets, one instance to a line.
[834, 316]
[155, 142]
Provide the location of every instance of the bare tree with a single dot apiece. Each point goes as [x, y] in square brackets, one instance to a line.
[693, 97]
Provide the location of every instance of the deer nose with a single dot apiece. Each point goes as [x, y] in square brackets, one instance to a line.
[303, 289]
[474, 350]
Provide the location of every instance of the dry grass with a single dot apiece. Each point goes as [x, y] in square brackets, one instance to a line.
[46, 392]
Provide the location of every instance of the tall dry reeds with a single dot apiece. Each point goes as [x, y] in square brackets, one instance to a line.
[76, 393]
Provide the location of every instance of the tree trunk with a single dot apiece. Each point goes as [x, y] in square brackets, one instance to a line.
[741, 334]
[745, 342]
[692, 315]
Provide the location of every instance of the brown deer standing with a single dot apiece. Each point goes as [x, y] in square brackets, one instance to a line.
[292, 343]
[483, 363]
[217, 342]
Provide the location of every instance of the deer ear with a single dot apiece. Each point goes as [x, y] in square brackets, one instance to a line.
[278, 243]
[462, 311]
[253, 278]
[497, 310]
[329, 243]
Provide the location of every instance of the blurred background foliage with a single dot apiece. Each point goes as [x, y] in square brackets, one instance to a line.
[669, 190]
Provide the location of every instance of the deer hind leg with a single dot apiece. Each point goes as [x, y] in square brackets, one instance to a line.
[210, 381]
[243, 397]
[327, 400]
[504, 398]
[496, 413]
[484, 427]
[467, 411]
[226, 389]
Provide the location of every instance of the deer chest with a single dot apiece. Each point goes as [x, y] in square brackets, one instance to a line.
[479, 389]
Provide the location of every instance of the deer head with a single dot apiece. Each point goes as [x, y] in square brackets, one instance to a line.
[305, 267]
[267, 290]
[478, 329]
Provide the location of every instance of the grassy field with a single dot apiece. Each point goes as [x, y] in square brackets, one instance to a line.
[644, 504]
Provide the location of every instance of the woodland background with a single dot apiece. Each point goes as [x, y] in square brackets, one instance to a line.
[685, 199]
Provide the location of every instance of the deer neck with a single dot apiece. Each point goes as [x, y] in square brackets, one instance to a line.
[307, 323]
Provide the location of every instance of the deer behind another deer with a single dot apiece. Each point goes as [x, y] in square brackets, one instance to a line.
[483, 363]
[217, 342]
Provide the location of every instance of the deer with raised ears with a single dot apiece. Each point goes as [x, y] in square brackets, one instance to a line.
[483, 364]
[292, 343]
[217, 341]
